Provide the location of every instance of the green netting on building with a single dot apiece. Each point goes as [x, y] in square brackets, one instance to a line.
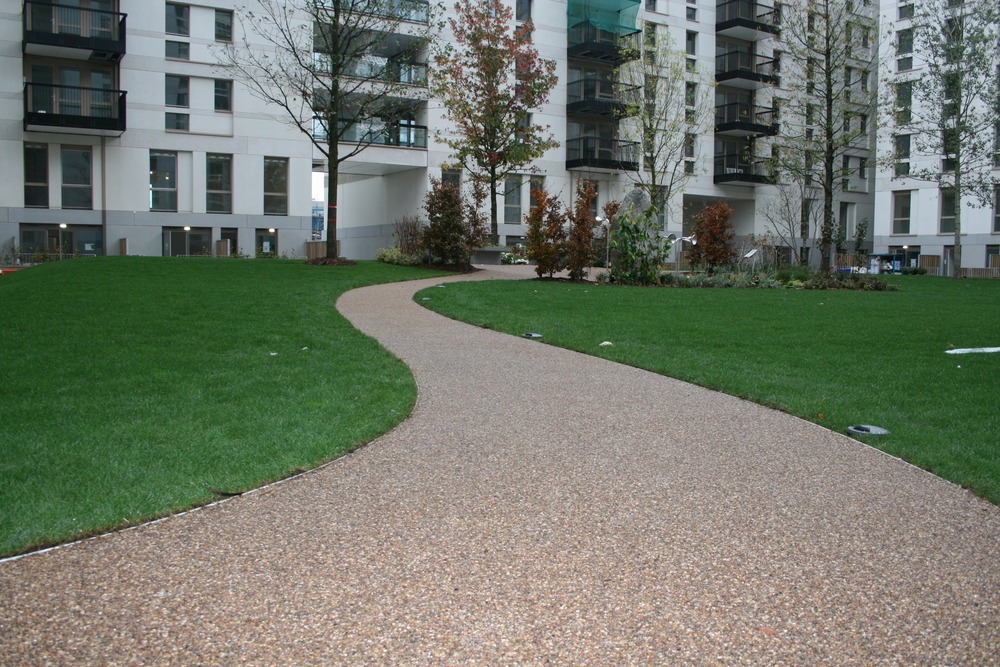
[617, 16]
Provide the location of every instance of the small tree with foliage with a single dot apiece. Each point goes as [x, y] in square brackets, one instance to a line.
[546, 233]
[455, 229]
[640, 252]
[580, 252]
[714, 237]
[489, 78]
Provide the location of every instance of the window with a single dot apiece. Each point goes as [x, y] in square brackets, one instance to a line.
[996, 145]
[692, 13]
[223, 25]
[451, 177]
[810, 114]
[176, 121]
[36, 175]
[904, 102]
[218, 183]
[863, 167]
[902, 154]
[162, 181]
[176, 91]
[178, 19]
[522, 10]
[275, 186]
[266, 242]
[689, 143]
[947, 211]
[650, 5]
[76, 177]
[904, 49]
[178, 50]
[906, 12]
[537, 183]
[866, 38]
[691, 42]
[996, 209]
[223, 95]
[512, 200]
[901, 212]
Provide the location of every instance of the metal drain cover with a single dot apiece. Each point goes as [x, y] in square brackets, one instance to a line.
[532, 335]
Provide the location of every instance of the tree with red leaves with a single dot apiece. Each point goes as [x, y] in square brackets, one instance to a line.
[489, 78]
[713, 234]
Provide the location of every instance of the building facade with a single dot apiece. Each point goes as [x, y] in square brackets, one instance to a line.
[121, 133]
[916, 218]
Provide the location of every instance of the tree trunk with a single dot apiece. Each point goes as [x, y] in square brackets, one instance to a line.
[494, 229]
[331, 208]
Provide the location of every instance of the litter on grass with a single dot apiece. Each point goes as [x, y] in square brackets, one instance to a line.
[607, 343]
[973, 350]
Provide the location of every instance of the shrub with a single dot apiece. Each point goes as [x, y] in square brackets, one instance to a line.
[456, 227]
[640, 253]
[409, 235]
[580, 252]
[395, 255]
[714, 237]
[546, 233]
[790, 273]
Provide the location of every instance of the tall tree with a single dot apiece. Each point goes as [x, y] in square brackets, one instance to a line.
[827, 118]
[662, 115]
[946, 109]
[340, 71]
[489, 79]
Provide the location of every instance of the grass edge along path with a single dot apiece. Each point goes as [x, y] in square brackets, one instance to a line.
[133, 388]
[835, 358]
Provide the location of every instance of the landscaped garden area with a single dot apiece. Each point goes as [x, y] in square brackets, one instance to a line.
[135, 387]
[837, 358]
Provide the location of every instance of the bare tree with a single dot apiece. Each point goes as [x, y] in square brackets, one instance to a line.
[343, 72]
[828, 115]
[795, 218]
[945, 112]
[665, 109]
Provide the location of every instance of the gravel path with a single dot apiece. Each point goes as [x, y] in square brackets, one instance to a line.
[539, 507]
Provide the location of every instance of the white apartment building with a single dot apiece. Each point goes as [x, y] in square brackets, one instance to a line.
[915, 219]
[121, 134]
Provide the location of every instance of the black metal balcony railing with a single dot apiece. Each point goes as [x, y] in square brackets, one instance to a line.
[595, 152]
[413, 74]
[52, 24]
[742, 65]
[737, 168]
[588, 42]
[74, 107]
[415, 11]
[599, 98]
[744, 118]
[747, 13]
[378, 133]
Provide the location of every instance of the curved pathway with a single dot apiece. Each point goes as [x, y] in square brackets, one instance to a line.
[539, 507]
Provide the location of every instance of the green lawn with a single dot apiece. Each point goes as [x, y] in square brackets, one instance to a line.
[835, 358]
[132, 386]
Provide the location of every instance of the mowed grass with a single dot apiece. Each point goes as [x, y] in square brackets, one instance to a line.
[134, 387]
[835, 358]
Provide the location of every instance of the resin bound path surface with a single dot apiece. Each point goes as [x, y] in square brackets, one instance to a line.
[539, 507]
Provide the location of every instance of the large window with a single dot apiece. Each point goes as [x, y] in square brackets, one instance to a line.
[522, 10]
[176, 91]
[36, 175]
[904, 50]
[904, 102]
[902, 154]
[177, 50]
[178, 19]
[77, 190]
[223, 25]
[218, 183]
[996, 209]
[275, 186]
[162, 181]
[512, 201]
[901, 212]
[947, 211]
[223, 95]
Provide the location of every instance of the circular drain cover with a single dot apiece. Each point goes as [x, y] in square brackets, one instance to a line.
[866, 429]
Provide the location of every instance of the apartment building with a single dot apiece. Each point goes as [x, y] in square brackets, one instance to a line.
[121, 133]
[915, 219]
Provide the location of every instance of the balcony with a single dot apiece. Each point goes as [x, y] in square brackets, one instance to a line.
[747, 20]
[603, 99]
[380, 69]
[378, 133]
[75, 33]
[73, 110]
[741, 69]
[585, 41]
[740, 119]
[736, 169]
[598, 154]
